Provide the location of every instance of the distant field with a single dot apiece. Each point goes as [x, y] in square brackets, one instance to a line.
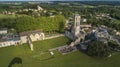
[40, 57]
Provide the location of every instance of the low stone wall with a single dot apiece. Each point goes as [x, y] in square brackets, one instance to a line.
[55, 36]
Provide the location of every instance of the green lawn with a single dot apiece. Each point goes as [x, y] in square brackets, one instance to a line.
[40, 57]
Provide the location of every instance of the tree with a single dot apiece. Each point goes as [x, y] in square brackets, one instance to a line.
[98, 49]
[47, 24]
[61, 27]
[113, 44]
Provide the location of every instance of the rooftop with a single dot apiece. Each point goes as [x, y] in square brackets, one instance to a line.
[30, 32]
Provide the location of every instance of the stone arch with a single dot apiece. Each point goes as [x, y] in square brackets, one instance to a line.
[81, 40]
[32, 37]
[42, 36]
[37, 36]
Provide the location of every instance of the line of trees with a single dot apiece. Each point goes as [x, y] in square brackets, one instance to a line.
[26, 23]
[114, 23]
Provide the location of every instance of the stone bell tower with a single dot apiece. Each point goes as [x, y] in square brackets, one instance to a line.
[76, 27]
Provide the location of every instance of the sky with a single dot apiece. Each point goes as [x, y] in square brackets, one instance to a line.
[59, 0]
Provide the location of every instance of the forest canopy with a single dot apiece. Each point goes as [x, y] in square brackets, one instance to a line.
[26, 23]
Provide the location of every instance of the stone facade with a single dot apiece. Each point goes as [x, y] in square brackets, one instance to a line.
[69, 35]
[23, 39]
[34, 36]
[3, 31]
[76, 27]
[8, 39]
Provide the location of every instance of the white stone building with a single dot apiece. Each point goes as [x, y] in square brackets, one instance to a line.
[7, 39]
[4, 42]
[33, 35]
[3, 31]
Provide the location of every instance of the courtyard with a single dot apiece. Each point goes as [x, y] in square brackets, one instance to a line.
[22, 56]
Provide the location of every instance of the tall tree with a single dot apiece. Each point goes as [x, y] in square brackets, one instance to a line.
[98, 49]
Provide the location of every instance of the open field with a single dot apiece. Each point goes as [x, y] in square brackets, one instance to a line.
[40, 57]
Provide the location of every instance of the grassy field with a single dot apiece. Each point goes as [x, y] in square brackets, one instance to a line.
[40, 57]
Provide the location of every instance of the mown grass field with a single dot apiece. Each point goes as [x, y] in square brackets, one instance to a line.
[40, 57]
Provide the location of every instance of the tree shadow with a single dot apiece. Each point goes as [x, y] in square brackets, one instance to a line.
[16, 60]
